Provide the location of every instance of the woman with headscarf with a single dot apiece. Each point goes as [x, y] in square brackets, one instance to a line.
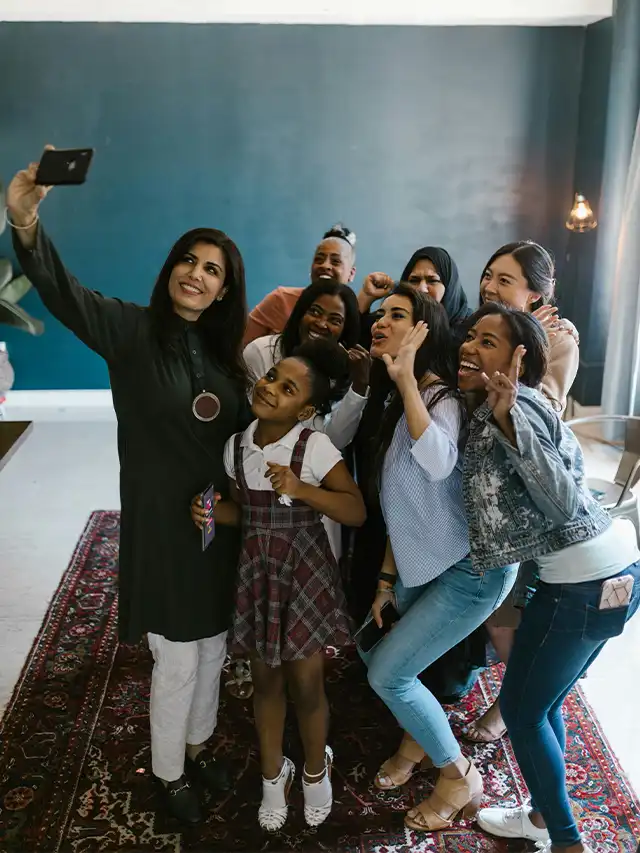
[431, 270]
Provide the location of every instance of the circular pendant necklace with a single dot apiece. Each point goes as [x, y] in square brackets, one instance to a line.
[206, 406]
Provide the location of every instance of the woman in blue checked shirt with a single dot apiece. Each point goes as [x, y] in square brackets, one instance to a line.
[426, 569]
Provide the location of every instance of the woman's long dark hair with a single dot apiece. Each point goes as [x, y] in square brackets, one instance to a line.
[536, 264]
[523, 329]
[434, 356]
[290, 337]
[222, 324]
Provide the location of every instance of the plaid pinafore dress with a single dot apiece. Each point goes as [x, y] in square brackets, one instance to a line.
[289, 598]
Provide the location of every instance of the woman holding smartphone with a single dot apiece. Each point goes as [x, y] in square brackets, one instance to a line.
[526, 499]
[179, 392]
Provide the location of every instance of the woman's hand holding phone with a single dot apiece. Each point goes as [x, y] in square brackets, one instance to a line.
[199, 514]
[226, 513]
[383, 596]
[23, 202]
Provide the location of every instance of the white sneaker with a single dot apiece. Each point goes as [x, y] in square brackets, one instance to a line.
[511, 823]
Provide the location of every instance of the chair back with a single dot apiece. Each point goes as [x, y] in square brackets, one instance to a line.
[628, 472]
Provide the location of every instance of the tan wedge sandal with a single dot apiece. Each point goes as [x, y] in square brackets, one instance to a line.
[450, 798]
[390, 777]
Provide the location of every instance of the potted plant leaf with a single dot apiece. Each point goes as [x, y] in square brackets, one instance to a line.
[11, 314]
[13, 289]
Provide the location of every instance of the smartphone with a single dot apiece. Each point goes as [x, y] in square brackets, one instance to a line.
[64, 167]
[209, 527]
[616, 592]
[370, 635]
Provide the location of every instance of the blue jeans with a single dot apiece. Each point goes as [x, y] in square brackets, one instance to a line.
[561, 634]
[435, 617]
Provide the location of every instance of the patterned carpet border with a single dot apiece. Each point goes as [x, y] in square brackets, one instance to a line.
[75, 763]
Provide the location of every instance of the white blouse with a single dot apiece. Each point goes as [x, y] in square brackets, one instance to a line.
[319, 458]
[341, 424]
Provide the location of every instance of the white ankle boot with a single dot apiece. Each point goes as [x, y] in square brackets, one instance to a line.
[318, 796]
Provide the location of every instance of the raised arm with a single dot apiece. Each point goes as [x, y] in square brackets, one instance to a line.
[434, 434]
[341, 424]
[104, 325]
[436, 450]
[259, 356]
[564, 360]
[564, 356]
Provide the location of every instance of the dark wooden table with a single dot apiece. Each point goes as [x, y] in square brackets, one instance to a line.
[12, 434]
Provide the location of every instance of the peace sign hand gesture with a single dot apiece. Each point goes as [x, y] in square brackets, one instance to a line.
[400, 368]
[502, 390]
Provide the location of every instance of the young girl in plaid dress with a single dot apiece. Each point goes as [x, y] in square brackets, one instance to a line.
[289, 601]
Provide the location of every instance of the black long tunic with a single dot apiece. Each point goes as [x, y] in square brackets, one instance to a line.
[168, 585]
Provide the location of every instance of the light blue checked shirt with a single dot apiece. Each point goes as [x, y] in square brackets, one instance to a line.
[421, 495]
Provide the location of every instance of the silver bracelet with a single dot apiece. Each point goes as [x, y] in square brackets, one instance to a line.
[19, 227]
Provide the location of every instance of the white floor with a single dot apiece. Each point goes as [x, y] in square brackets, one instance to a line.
[48, 489]
[66, 469]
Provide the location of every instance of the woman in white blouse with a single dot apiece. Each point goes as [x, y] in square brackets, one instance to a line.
[325, 309]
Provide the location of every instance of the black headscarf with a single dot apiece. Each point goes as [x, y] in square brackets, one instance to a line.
[454, 300]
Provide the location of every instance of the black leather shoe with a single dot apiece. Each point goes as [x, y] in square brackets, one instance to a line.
[181, 801]
[210, 772]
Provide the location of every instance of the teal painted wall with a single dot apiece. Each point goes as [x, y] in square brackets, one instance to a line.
[463, 137]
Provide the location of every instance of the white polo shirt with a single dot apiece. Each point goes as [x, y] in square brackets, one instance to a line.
[320, 457]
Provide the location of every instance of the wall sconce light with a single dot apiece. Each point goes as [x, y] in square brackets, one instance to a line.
[581, 216]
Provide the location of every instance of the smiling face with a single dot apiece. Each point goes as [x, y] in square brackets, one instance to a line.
[487, 349]
[197, 280]
[283, 395]
[393, 320]
[426, 278]
[323, 319]
[333, 260]
[504, 282]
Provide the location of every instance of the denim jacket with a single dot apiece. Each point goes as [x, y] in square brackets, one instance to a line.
[526, 501]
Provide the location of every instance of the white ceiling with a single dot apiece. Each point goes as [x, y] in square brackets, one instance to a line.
[376, 12]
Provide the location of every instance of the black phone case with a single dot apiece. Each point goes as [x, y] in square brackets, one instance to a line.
[370, 635]
[64, 167]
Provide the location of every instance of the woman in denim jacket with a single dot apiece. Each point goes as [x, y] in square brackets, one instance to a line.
[526, 499]
[441, 598]
[521, 275]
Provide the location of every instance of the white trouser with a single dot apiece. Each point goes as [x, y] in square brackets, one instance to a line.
[185, 690]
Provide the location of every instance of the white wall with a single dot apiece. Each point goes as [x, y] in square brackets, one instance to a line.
[419, 12]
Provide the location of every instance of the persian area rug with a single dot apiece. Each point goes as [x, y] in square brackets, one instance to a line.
[75, 759]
